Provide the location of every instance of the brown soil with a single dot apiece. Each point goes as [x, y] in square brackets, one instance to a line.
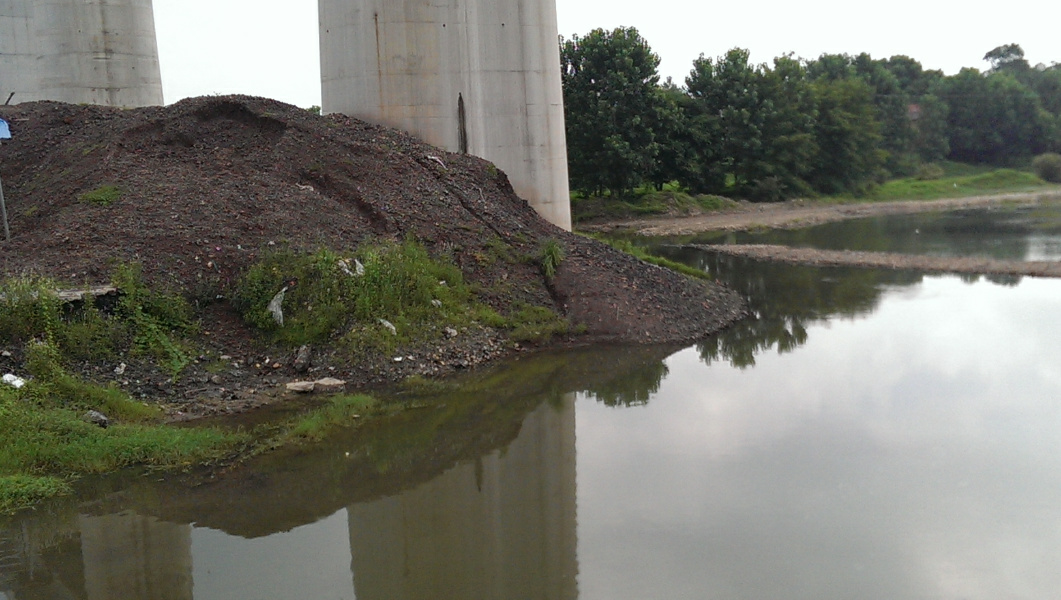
[208, 184]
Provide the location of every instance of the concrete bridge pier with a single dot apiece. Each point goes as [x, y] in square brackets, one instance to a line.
[475, 76]
[79, 51]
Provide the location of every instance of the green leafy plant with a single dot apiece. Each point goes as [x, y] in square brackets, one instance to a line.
[550, 255]
[154, 317]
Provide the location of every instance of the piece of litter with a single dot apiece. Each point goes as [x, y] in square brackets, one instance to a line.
[120, 369]
[97, 418]
[390, 326]
[14, 381]
[436, 159]
[436, 303]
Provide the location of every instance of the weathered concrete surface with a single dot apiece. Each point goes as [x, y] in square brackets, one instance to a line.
[79, 51]
[479, 76]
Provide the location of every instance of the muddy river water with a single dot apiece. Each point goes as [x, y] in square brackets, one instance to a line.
[869, 434]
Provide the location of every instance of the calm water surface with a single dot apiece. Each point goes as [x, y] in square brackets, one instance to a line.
[869, 434]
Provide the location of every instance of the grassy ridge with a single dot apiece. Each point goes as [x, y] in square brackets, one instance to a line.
[945, 180]
[956, 186]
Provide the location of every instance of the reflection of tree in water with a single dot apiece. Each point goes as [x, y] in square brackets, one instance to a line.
[632, 387]
[784, 300]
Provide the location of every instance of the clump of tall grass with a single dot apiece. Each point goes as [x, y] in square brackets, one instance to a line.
[144, 322]
[550, 256]
[355, 299]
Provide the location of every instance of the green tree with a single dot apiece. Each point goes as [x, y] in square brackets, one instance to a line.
[993, 119]
[729, 100]
[684, 156]
[1008, 58]
[848, 137]
[789, 144]
[612, 109]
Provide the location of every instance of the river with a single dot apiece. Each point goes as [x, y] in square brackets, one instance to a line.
[868, 434]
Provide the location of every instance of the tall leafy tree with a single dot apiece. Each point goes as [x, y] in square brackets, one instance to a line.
[789, 144]
[848, 136]
[993, 119]
[728, 94]
[612, 105]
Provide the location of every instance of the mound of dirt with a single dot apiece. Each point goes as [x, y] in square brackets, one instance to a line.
[207, 184]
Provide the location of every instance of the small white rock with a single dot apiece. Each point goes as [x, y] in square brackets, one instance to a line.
[329, 385]
[301, 387]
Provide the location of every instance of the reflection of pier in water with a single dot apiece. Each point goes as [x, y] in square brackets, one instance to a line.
[124, 555]
[501, 526]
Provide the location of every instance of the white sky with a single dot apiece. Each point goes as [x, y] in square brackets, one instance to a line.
[270, 47]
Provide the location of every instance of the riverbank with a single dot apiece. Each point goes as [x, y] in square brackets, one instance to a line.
[258, 250]
[800, 213]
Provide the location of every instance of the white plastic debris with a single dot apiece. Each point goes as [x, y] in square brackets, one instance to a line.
[120, 369]
[436, 303]
[97, 418]
[390, 326]
[14, 381]
[275, 306]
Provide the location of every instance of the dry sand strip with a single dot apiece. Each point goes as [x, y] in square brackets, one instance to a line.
[887, 260]
[797, 214]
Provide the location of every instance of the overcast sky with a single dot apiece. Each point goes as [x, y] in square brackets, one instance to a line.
[270, 47]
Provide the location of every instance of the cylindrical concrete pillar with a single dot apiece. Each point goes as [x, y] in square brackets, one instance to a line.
[82, 51]
[479, 76]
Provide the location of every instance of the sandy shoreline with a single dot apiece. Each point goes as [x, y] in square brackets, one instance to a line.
[796, 214]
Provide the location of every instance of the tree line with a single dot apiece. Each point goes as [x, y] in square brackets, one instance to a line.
[794, 127]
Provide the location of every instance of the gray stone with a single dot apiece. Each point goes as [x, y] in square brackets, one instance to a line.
[301, 387]
[302, 359]
[329, 385]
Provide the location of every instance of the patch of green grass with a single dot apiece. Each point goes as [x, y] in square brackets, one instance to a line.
[628, 247]
[994, 181]
[537, 324]
[47, 443]
[23, 491]
[400, 284]
[104, 195]
[52, 385]
[646, 202]
[340, 411]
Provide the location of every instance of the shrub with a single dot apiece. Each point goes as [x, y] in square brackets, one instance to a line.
[929, 172]
[1048, 167]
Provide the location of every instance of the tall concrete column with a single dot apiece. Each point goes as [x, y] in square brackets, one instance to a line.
[476, 76]
[80, 51]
